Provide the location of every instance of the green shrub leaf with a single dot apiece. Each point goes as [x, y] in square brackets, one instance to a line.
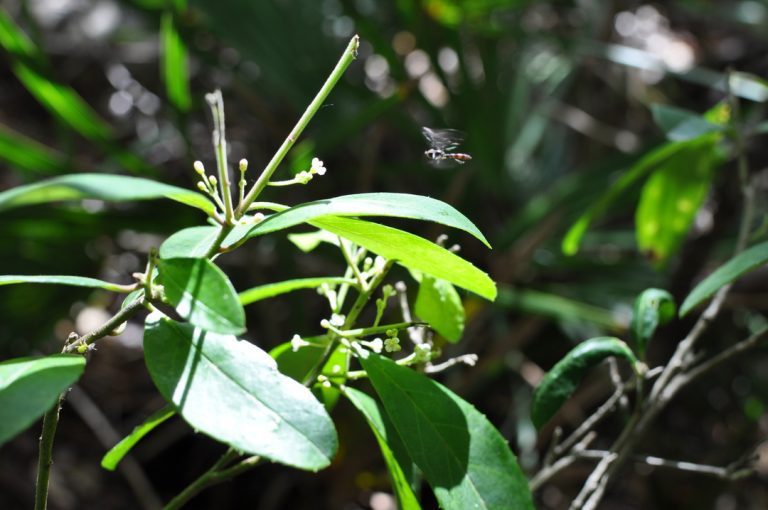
[653, 308]
[29, 387]
[75, 281]
[560, 382]
[399, 464]
[398, 205]
[411, 251]
[742, 263]
[121, 449]
[275, 289]
[202, 294]
[112, 188]
[672, 196]
[174, 63]
[440, 305]
[189, 242]
[466, 461]
[232, 391]
[680, 125]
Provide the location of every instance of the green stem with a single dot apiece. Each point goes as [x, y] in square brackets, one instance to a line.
[352, 316]
[216, 102]
[105, 329]
[352, 333]
[347, 57]
[45, 460]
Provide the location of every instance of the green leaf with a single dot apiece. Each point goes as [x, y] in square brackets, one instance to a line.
[275, 289]
[189, 242]
[397, 205]
[121, 449]
[440, 305]
[680, 125]
[28, 155]
[113, 188]
[556, 306]
[399, 464]
[672, 196]
[29, 387]
[744, 262]
[202, 294]
[59, 99]
[572, 239]
[653, 307]
[231, 390]
[310, 240]
[559, 383]
[466, 461]
[411, 251]
[75, 281]
[174, 63]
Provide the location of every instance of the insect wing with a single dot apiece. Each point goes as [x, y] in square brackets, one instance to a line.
[443, 139]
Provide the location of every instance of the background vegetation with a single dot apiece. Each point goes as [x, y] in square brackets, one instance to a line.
[555, 98]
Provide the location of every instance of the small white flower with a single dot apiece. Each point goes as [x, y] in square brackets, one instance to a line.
[376, 345]
[199, 168]
[317, 167]
[338, 320]
[243, 165]
[392, 344]
[423, 352]
[297, 343]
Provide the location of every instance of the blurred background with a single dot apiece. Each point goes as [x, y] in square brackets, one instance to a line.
[554, 98]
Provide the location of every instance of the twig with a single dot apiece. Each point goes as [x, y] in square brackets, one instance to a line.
[216, 102]
[109, 326]
[467, 359]
[349, 55]
[590, 423]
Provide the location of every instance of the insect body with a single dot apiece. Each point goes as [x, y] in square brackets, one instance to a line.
[441, 144]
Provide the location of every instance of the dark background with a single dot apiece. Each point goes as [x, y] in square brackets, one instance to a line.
[552, 116]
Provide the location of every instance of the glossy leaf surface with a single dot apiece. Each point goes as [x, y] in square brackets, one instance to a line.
[399, 464]
[466, 461]
[232, 391]
[111, 188]
[411, 251]
[438, 303]
[558, 384]
[29, 387]
[202, 294]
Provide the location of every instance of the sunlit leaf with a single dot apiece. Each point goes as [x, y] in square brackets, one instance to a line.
[113, 188]
[671, 198]
[232, 391]
[438, 303]
[275, 289]
[411, 251]
[29, 387]
[202, 294]
[397, 205]
[121, 449]
[174, 63]
[75, 281]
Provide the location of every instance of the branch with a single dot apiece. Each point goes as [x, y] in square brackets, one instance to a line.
[349, 55]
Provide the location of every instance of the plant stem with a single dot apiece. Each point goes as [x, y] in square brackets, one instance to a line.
[45, 460]
[354, 312]
[347, 57]
[120, 317]
[216, 102]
